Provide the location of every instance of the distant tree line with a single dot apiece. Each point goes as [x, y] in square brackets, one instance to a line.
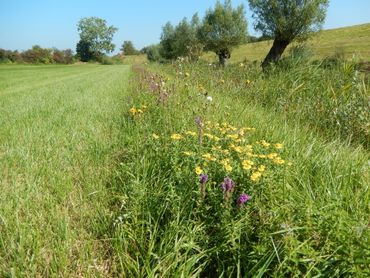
[224, 28]
[38, 55]
[221, 29]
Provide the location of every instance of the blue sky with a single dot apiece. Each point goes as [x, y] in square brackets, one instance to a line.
[52, 23]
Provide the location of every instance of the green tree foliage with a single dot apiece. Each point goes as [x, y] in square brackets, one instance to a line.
[37, 55]
[96, 35]
[128, 48]
[222, 29]
[153, 53]
[63, 56]
[83, 50]
[287, 20]
[181, 40]
[167, 42]
[9, 56]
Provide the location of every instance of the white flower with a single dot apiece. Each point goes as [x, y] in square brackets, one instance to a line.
[209, 98]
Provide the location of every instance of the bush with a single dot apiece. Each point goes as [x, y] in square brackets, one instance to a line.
[105, 60]
[153, 53]
[38, 55]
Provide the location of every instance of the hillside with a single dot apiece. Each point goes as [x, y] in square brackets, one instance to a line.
[348, 40]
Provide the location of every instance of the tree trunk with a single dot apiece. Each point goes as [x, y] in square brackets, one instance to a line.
[222, 59]
[275, 52]
[223, 56]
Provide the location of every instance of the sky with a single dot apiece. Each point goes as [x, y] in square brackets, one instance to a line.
[53, 23]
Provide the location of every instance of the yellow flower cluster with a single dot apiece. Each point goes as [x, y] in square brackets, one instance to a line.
[176, 136]
[137, 111]
[227, 149]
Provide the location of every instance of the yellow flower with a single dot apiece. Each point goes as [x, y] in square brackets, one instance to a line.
[216, 138]
[225, 161]
[133, 110]
[210, 136]
[241, 65]
[226, 152]
[191, 133]
[272, 155]
[176, 136]
[247, 81]
[279, 161]
[228, 168]
[208, 157]
[198, 170]
[233, 136]
[264, 143]
[237, 149]
[247, 164]
[188, 153]
[278, 146]
[262, 156]
[248, 148]
[187, 74]
[261, 168]
[256, 176]
[216, 148]
[155, 136]
[222, 81]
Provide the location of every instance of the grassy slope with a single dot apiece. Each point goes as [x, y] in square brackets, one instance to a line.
[60, 128]
[347, 40]
[323, 198]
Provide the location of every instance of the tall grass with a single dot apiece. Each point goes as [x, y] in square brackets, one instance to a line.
[308, 218]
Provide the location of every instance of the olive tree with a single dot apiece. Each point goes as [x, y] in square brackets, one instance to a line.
[287, 20]
[222, 29]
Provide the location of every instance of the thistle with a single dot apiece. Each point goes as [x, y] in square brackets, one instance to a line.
[203, 178]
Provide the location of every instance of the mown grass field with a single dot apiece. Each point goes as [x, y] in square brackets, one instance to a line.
[350, 42]
[59, 138]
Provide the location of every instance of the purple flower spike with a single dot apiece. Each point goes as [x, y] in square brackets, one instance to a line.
[228, 184]
[243, 198]
[203, 178]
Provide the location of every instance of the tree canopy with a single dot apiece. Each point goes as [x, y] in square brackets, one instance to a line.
[223, 28]
[128, 48]
[181, 40]
[287, 20]
[96, 34]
